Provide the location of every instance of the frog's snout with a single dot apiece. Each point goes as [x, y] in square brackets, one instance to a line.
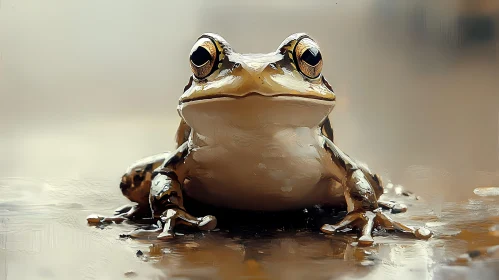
[253, 68]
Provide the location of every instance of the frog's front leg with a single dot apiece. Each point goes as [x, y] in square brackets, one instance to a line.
[166, 200]
[165, 197]
[361, 191]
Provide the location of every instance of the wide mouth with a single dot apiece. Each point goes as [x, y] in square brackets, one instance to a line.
[275, 95]
[254, 111]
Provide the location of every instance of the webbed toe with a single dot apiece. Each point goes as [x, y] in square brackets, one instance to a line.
[367, 221]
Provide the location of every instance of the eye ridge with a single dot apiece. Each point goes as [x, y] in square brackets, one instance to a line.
[201, 56]
[312, 56]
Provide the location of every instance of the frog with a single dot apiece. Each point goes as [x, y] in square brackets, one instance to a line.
[255, 134]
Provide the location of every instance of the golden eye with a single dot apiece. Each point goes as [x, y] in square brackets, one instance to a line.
[308, 58]
[203, 58]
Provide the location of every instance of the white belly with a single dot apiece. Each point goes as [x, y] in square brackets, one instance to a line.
[260, 153]
[273, 168]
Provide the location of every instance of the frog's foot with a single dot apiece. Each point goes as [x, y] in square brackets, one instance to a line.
[169, 219]
[393, 206]
[167, 198]
[362, 190]
[172, 217]
[368, 220]
[98, 219]
[123, 209]
[121, 214]
[145, 232]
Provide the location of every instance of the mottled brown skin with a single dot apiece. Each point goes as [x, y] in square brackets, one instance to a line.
[288, 78]
[136, 184]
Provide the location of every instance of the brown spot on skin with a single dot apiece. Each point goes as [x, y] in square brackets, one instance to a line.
[136, 186]
[137, 179]
[356, 196]
[189, 84]
[327, 129]
[324, 81]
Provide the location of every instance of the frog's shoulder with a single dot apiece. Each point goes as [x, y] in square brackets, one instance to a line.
[183, 132]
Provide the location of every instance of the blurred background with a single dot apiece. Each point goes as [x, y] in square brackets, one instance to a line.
[88, 87]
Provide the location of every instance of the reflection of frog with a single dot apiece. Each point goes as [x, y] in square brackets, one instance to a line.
[255, 135]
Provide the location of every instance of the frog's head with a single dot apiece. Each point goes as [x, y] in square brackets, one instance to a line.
[222, 78]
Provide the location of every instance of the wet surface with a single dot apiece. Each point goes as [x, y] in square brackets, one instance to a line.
[51, 236]
[89, 87]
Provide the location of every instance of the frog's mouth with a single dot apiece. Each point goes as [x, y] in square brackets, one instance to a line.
[254, 111]
[253, 93]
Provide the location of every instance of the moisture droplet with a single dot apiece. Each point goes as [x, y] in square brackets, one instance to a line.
[487, 191]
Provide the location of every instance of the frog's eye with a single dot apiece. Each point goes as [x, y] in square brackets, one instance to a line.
[308, 58]
[203, 58]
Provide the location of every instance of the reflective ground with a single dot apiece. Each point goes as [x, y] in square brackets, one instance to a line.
[88, 87]
[44, 235]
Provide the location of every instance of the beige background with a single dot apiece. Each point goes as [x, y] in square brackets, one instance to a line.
[87, 87]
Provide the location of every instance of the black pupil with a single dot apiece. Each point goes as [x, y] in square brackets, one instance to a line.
[200, 56]
[312, 56]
